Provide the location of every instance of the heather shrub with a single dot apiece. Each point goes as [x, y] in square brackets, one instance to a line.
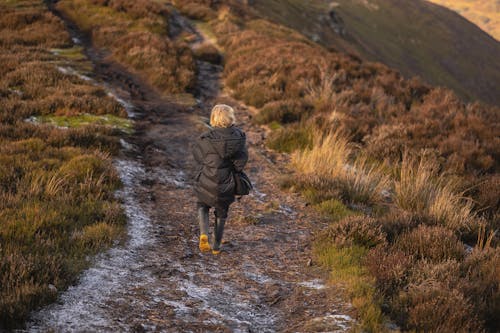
[396, 222]
[316, 190]
[356, 230]
[463, 134]
[196, 11]
[167, 66]
[284, 111]
[434, 243]
[486, 195]
[334, 209]
[390, 268]
[432, 307]
[481, 284]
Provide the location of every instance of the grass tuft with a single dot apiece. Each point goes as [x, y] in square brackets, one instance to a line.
[421, 189]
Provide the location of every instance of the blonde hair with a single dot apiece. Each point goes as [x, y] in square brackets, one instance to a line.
[222, 116]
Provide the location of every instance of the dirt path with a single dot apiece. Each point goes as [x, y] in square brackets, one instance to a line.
[157, 280]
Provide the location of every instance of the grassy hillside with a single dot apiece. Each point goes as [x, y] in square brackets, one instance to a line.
[57, 185]
[484, 13]
[390, 162]
[417, 38]
[135, 34]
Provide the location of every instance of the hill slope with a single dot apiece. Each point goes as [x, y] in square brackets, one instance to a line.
[484, 13]
[418, 38]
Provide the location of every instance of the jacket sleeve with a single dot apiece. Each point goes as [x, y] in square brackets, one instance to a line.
[240, 159]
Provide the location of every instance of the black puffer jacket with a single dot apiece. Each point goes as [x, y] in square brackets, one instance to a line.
[218, 153]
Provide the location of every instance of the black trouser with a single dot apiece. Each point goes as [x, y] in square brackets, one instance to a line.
[220, 211]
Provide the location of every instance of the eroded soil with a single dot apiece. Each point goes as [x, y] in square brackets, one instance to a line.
[157, 280]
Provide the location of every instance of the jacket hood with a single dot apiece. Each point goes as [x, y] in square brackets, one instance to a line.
[226, 141]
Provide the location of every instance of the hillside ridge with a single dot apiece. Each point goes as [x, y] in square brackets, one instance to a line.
[418, 39]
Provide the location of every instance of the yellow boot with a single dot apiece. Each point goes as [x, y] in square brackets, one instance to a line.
[204, 245]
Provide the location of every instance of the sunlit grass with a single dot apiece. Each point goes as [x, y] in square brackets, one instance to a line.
[57, 203]
[335, 209]
[423, 190]
[73, 53]
[108, 120]
[332, 158]
[347, 269]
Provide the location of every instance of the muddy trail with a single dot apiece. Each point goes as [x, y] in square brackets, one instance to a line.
[157, 280]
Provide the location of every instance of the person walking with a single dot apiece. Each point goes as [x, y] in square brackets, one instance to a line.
[218, 154]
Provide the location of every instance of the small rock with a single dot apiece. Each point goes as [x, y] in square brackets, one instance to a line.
[309, 262]
[52, 288]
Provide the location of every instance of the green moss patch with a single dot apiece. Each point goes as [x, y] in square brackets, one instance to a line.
[73, 53]
[108, 120]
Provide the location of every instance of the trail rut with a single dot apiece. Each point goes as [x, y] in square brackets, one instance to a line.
[157, 280]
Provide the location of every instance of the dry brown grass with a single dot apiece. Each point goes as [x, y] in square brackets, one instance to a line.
[135, 33]
[434, 243]
[279, 71]
[426, 279]
[332, 157]
[197, 10]
[356, 230]
[56, 185]
[422, 190]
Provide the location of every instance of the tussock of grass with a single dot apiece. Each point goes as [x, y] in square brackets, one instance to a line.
[422, 190]
[332, 158]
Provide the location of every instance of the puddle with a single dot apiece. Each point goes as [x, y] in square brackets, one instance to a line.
[231, 308]
[175, 177]
[286, 210]
[313, 284]
[127, 146]
[340, 322]
[72, 71]
[129, 107]
[259, 196]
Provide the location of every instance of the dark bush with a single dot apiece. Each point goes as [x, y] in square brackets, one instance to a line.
[434, 243]
[356, 230]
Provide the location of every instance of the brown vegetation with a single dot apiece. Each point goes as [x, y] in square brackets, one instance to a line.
[291, 79]
[56, 185]
[407, 152]
[135, 33]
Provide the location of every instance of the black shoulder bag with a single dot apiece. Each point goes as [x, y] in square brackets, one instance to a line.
[242, 182]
